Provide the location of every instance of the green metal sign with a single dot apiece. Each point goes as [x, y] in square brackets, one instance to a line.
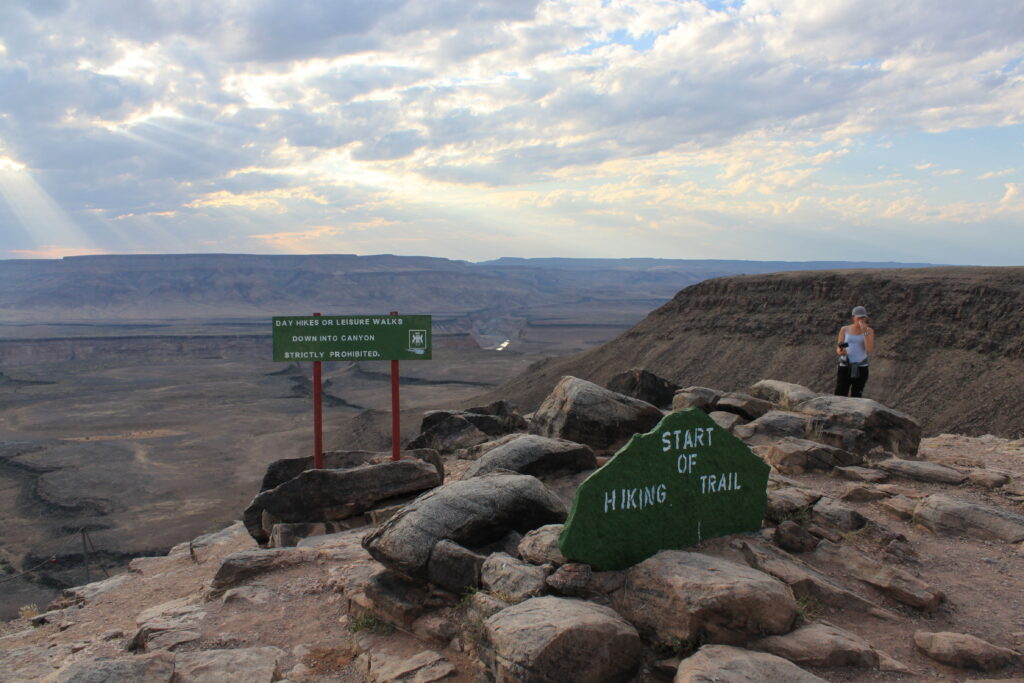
[352, 337]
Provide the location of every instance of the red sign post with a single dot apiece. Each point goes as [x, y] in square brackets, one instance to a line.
[318, 415]
[395, 416]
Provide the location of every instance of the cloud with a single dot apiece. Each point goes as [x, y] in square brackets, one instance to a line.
[52, 251]
[997, 174]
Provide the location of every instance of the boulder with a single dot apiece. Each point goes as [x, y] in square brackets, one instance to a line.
[794, 538]
[280, 471]
[471, 513]
[774, 425]
[427, 666]
[573, 578]
[695, 397]
[645, 386]
[452, 432]
[821, 644]
[243, 665]
[744, 405]
[395, 598]
[790, 502]
[963, 650]
[831, 512]
[726, 664]
[154, 668]
[329, 495]
[791, 455]
[869, 424]
[583, 412]
[536, 455]
[920, 470]
[245, 564]
[553, 640]
[859, 493]
[899, 506]
[726, 420]
[683, 595]
[956, 517]
[513, 580]
[988, 478]
[784, 394]
[540, 546]
[454, 567]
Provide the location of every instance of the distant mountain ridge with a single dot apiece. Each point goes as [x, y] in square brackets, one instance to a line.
[147, 287]
[950, 348]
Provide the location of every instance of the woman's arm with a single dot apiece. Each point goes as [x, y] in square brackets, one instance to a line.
[869, 340]
[842, 338]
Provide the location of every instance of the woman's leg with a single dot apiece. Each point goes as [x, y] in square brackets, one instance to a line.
[857, 383]
[843, 380]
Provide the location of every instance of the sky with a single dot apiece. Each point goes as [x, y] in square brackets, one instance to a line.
[767, 129]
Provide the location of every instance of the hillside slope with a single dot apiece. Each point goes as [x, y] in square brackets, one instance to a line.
[950, 344]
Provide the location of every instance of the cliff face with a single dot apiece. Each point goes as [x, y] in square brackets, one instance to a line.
[950, 341]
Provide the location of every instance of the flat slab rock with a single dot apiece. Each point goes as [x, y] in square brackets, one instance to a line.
[155, 668]
[552, 640]
[245, 665]
[681, 595]
[964, 650]
[821, 644]
[953, 516]
[726, 664]
[922, 470]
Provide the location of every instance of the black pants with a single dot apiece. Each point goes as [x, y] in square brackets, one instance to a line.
[851, 386]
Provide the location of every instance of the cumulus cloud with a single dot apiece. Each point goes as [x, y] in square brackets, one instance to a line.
[673, 116]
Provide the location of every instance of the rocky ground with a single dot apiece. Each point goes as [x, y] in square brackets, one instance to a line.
[875, 563]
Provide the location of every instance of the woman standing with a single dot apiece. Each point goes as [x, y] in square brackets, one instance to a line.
[856, 343]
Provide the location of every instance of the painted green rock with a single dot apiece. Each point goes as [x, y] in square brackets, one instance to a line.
[685, 481]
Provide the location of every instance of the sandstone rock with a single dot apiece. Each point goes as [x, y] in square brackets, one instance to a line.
[892, 581]
[897, 490]
[536, 455]
[280, 471]
[583, 412]
[677, 594]
[573, 578]
[246, 595]
[726, 664]
[791, 455]
[481, 606]
[871, 424]
[805, 581]
[245, 564]
[167, 625]
[453, 432]
[1014, 488]
[289, 535]
[821, 644]
[792, 537]
[423, 667]
[440, 625]
[395, 598]
[900, 507]
[228, 534]
[329, 495]
[963, 650]
[470, 513]
[695, 397]
[784, 394]
[790, 501]
[774, 425]
[244, 665]
[857, 473]
[540, 546]
[154, 668]
[645, 386]
[921, 470]
[988, 478]
[512, 579]
[829, 511]
[91, 591]
[726, 420]
[454, 567]
[858, 493]
[553, 640]
[744, 405]
[953, 516]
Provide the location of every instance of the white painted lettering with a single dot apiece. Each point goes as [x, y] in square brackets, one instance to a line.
[609, 501]
[666, 440]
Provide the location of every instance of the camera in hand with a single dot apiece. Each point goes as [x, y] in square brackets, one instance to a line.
[844, 345]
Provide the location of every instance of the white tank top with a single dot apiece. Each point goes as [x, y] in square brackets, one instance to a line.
[856, 352]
